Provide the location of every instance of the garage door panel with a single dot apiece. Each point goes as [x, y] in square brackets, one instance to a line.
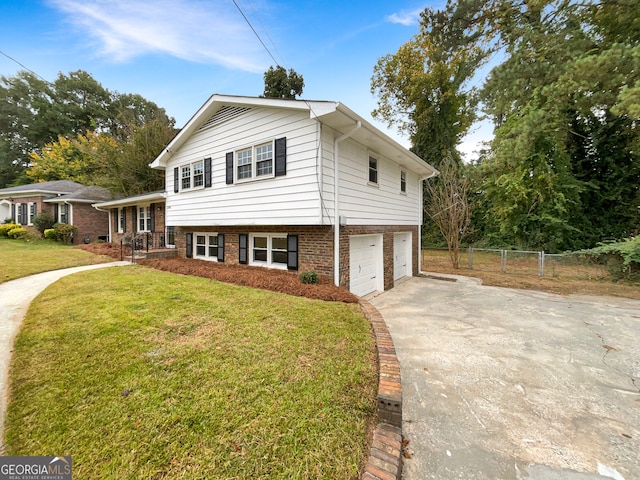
[365, 264]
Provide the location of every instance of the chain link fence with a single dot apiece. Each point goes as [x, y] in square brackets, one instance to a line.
[518, 262]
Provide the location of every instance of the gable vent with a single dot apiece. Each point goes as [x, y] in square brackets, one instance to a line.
[225, 113]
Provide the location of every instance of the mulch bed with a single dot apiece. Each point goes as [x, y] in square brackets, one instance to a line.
[256, 277]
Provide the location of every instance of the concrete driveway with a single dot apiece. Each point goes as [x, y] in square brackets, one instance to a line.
[513, 384]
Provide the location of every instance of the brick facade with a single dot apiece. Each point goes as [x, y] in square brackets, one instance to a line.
[315, 245]
[92, 224]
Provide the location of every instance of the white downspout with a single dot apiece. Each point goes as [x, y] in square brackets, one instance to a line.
[421, 193]
[336, 202]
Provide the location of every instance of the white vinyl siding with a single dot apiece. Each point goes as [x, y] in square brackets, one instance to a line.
[293, 198]
[360, 203]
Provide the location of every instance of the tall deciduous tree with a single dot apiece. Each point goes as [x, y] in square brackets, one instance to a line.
[424, 88]
[280, 84]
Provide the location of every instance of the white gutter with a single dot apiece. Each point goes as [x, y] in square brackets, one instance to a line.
[336, 204]
[421, 195]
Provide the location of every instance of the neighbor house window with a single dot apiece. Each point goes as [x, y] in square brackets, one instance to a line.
[144, 219]
[19, 214]
[269, 250]
[206, 246]
[255, 162]
[192, 175]
[32, 212]
[63, 213]
[373, 170]
[403, 182]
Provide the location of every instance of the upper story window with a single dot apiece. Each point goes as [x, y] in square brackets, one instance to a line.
[255, 162]
[373, 170]
[192, 175]
[403, 181]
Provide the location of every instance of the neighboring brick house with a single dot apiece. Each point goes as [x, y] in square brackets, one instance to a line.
[66, 201]
[253, 181]
[140, 215]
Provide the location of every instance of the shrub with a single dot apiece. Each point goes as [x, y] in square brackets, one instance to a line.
[5, 228]
[309, 277]
[50, 234]
[43, 221]
[622, 258]
[18, 232]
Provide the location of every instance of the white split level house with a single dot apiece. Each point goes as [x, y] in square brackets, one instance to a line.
[295, 184]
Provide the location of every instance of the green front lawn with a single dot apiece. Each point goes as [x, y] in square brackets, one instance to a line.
[138, 373]
[20, 258]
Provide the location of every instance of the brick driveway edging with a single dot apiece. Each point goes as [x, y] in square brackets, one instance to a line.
[385, 456]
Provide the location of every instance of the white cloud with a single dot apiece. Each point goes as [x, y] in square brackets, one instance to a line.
[406, 18]
[210, 31]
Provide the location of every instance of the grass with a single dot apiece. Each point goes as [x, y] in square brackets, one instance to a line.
[21, 258]
[562, 276]
[148, 374]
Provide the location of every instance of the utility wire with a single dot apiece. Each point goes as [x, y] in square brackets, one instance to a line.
[265, 30]
[27, 69]
[256, 33]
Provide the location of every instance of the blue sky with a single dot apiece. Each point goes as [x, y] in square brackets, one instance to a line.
[177, 53]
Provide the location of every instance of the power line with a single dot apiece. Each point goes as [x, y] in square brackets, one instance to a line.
[265, 30]
[26, 68]
[256, 33]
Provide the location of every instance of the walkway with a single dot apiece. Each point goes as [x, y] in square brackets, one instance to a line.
[15, 297]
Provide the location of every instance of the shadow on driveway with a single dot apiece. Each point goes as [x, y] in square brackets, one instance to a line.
[513, 384]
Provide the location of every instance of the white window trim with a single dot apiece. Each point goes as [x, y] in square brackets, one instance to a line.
[268, 263]
[191, 166]
[403, 172]
[147, 218]
[121, 211]
[30, 216]
[375, 157]
[207, 245]
[254, 163]
[69, 213]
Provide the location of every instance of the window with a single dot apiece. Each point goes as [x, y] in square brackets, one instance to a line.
[403, 181]
[192, 175]
[144, 219]
[373, 170]
[32, 212]
[269, 250]
[171, 237]
[20, 219]
[206, 246]
[63, 213]
[255, 162]
[122, 220]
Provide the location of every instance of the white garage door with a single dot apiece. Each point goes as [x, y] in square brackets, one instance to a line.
[365, 259]
[402, 255]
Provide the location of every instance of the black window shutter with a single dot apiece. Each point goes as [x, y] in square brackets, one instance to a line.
[243, 240]
[13, 212]
[281, 156]
[221, 247]
[176, 180]
[152, 217]
[124, 213]
[229, 160]
[207, 172]
[189, 238]
[134, 219]
[56, 211]
[292, 252]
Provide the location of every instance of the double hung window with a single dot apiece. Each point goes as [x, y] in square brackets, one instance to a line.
[192, 175]
[206, 246]
[255, 162]
[373, 170]
[144, 219]
[269, 250]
